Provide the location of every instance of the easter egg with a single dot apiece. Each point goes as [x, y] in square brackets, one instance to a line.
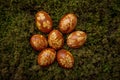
[38, 42]
[65, 59]
[67, 23]
[46, 57]
[76, 39]
[55, 39]
[43, 21]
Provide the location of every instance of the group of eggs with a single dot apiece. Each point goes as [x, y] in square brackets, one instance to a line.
[55, 40]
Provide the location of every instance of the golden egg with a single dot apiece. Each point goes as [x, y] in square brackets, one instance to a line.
[67, 23]
[76, 39]
[38, 42]
[65, 59]
[55, 39]
[46, 57]
[43, 21]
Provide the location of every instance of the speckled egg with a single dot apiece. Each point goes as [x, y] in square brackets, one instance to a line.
[43, 21]
[67, 23]
[76, 39]
[46, 57]
[65, 59]
[55, 39]
[38, 42]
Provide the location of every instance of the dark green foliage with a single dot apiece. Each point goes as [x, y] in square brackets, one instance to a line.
[98, 59]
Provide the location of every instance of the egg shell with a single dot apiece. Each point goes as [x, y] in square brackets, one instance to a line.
[46, 57]
[67, 23]
[38, 42]
[43, 21]
[65, 59]
[76, 39]
[55, 39]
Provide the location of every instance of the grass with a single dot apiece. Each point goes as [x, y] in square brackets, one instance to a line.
[98, 59]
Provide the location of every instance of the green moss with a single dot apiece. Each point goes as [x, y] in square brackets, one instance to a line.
[97, 59]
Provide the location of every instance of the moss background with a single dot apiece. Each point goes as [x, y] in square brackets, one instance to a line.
[98, 59]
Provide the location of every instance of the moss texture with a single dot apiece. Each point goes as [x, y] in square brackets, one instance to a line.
[98, 59]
